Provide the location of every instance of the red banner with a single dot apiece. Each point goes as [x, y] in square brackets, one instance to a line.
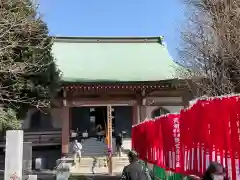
[187, 142]
[158, 141]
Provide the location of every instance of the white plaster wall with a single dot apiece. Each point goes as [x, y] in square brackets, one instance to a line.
[171, 109]
[166, 99]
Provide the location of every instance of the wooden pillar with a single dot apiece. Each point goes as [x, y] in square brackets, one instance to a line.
[141, 109]
[143, 112]
[135, 115]
[186, 98]
[110, 165]
[65, 130]
[70, 120]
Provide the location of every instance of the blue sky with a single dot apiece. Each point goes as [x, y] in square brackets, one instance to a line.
[115, 18]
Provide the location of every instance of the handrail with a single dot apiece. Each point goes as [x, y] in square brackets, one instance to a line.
[62, 160]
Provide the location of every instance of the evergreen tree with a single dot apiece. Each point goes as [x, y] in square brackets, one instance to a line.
[28, 74]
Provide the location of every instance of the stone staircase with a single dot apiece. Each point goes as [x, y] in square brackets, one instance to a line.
[90, 165]
[119, 163]
[93, 148]
[94, 159]
[98, 165]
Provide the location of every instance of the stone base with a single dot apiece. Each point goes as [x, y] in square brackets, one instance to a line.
[98, 165]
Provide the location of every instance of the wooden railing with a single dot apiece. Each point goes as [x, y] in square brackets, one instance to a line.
[40, 138]
[43, 137]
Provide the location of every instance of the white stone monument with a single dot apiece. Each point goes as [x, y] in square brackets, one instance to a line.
[14, 155]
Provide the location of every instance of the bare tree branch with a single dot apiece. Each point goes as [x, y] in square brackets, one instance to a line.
[28, 75]
[210, 46]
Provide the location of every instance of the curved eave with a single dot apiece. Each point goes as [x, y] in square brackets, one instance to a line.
[99, 82]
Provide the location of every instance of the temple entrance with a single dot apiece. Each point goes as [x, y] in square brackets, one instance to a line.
[98, 120]
[90, 119]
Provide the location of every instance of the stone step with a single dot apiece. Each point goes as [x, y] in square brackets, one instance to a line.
[94, 149]
[100, 162]
[92, 161]
[91, 164]
[89, 170]
[92, 154]
[100, 166]
[120, 163]
[94, 145]
[97, 148]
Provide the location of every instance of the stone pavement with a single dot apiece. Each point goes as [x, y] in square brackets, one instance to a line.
[102, 177]
[88, 177]
[51, 176]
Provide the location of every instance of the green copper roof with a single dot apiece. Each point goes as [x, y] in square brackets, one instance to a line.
[92, 59]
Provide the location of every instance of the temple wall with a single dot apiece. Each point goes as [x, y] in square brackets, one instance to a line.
[26, 120]
[171, 109]
[54, 118]
[55, 114]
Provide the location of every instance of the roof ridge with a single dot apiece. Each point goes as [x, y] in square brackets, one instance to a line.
[117, 39]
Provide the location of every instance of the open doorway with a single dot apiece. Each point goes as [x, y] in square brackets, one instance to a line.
[89, 118]
[99, 114]
[99, 119]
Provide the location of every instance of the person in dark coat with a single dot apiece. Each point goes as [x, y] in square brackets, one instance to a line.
[119, 144]
[215, 171]
[134, 171]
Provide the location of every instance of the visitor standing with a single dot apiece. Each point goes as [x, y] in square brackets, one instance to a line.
[99, 132]
[77, 150]
[215, 171]
[134, 171]
[119, 144]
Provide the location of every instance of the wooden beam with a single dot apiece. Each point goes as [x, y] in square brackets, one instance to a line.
[167, 93]
[165, 104]
[101, 103]
[148, 86]
[106, 98]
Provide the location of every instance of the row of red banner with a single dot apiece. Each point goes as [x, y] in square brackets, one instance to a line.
[187, 142]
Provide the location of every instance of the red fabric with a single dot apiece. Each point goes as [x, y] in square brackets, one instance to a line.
[209, 131]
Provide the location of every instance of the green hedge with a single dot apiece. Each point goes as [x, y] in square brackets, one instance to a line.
[160, 174]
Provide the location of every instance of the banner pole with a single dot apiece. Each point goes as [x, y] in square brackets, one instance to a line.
[110, 151]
